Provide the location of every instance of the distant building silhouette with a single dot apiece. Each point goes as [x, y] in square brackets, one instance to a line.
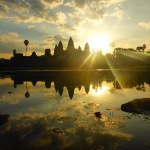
[47, 53]
[78, 58]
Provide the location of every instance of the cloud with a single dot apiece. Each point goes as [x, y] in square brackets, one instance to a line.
[85, 8]
[53, 3]
[145, 25]
[9, 36]
[16, 5]
[111, 2]
[12, 40]
[3, 11]
[99, 3]
[116, 13]
[77, 17]
[70, 30]
[21, 18]
[32, 12]
[80, 3]
[93, 12]
[31, 27]
[55, 39]
[36, 6]
[40, 11]
[59, 18]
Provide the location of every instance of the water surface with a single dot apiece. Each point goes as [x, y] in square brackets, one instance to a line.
[56, 110]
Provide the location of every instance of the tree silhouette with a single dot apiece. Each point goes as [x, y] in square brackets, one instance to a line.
[26, 42]
[34, 54]
[14, 52]
[27, 94]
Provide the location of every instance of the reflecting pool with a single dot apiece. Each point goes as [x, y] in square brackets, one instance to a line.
[81, 110]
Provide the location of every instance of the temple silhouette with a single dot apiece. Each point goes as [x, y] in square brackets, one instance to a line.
[71, 57]
[79, 79]
[78, 59]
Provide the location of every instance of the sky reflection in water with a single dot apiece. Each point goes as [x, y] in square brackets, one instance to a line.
[50, 119]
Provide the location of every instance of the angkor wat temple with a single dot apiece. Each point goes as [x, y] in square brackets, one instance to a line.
[81, 59]
[71, 57]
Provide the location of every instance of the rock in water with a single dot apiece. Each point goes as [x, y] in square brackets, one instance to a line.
[137, 105]
[98, 114]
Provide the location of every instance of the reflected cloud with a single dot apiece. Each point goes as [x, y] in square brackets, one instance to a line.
[50, 119]
[38, 131]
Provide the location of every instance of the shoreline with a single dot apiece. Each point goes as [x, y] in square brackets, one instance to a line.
[58, 69]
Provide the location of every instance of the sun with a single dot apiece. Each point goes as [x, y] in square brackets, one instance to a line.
[99, 90]
[100, 42]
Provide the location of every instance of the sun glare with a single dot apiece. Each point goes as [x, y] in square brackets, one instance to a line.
[100, 42]
[99, 90]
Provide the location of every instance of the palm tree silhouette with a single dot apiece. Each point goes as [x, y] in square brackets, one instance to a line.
[27, 94]
[26, 42]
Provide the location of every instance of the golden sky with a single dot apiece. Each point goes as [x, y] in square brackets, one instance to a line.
[104, 24]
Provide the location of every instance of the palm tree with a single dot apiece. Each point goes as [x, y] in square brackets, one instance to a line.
[27, 94]
[26, 42]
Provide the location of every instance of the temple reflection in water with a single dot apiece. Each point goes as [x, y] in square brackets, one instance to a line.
[64, 109]
[78, 79]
